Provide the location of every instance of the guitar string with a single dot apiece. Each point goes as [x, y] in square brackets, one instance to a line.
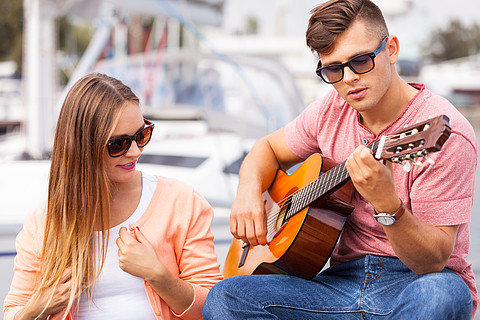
[327, 178]
[273, 211]
[388, 138]
[318, 186]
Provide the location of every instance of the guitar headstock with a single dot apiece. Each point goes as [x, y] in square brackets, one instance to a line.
[415, 141]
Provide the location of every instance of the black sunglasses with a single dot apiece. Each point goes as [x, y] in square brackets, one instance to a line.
[360, 64]
[119, 146]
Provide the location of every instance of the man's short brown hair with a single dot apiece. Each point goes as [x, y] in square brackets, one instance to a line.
[332, 18]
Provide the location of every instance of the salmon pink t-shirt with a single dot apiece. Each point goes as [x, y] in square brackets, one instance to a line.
[439, 194]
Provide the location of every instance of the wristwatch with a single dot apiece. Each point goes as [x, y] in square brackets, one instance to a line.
[387, 219]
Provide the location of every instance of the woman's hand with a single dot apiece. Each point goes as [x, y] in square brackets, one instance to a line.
[137, 256]
[34, 309]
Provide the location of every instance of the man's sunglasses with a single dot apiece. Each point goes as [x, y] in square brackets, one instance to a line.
[360, 64]
[119, 146]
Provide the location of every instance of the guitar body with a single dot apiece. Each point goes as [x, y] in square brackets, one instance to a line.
[303, 243]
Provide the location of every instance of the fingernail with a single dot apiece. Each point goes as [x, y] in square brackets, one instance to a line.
[137, 228]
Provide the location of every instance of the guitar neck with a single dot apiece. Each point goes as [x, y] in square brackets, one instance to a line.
[324, 185]
[327, 183]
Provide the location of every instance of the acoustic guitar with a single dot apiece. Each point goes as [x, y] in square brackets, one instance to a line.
[306, 210]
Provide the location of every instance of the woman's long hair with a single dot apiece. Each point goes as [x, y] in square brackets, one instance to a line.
[79, 189]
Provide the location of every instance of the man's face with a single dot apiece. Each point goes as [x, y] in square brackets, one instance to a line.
[362, 91]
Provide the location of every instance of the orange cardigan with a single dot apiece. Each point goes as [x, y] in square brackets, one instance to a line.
[176, 222]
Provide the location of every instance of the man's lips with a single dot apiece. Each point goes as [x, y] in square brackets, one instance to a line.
[353, 91]
[357, 93]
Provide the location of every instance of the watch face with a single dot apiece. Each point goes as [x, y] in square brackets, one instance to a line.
[386, 220]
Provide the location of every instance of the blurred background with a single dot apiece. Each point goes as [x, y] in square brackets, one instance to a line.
[214, 75]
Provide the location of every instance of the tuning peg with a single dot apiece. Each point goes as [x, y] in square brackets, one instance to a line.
[430, 161]
[406, 166]
[423, 154]
[411, 157]
[417, 163]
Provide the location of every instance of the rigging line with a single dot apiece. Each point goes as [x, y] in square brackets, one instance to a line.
[191, 27]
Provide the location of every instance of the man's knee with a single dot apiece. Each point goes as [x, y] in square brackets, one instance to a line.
[220, 297]
[213, 299]
[440, 295]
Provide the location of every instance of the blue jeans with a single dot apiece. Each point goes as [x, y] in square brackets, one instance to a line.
[373, 287]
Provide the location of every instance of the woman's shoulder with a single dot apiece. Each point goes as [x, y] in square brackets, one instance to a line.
[177, 193]
[173, 185]
[165, 186]
[168, 191]
[37, 218]
[33, 230]
[171, 188]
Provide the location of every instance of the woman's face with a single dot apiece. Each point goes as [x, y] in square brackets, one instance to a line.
[122, 169]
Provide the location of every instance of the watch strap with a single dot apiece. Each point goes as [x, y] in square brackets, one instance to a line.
[398, 213]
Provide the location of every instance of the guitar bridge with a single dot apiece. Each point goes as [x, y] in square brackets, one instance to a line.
[245, 247]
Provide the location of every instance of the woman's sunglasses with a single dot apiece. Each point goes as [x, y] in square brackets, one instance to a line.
[119, 146]
[360, 64]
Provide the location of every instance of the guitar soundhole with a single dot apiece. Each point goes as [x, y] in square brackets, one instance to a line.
[282, 215]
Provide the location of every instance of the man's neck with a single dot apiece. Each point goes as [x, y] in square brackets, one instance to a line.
[390, 108]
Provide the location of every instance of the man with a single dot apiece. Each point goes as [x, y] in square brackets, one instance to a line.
[412, 267]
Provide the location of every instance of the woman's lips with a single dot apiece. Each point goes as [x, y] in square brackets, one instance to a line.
[128, 166]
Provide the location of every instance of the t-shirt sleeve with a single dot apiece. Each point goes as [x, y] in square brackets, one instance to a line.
[198, 263]
[301, 133]
[27, 263]
[442, 194]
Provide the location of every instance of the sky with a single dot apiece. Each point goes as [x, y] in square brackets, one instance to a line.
[412, 21]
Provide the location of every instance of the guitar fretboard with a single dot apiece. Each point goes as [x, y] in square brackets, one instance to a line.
[326, 183]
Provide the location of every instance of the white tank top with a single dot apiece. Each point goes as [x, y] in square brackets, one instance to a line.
[117, 294]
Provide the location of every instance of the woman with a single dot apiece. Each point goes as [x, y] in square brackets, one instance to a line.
[111, 242]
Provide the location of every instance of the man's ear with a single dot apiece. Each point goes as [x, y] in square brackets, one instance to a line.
[393, 49]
